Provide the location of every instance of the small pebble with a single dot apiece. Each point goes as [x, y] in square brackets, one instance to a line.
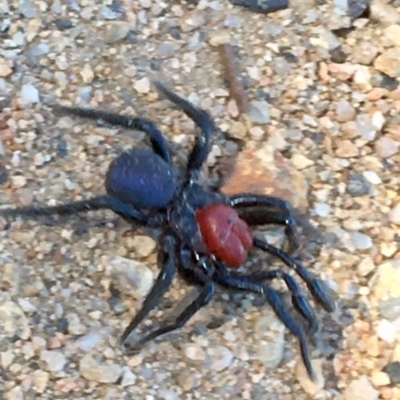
[95, 371]
[131, 276]
[193, 352]
[394, 214]
[116, 31]
[55, 361]
[75, 325]
[344, 111]
[386, 147]
[372, 177]
[357, 185]
[5, 68]
[392, 32]
[40, 380]
[379, 378]
[270, 335]
[90, 340]
[259, 112]
[393, 371]
[389, 62]
[366, 266]
[128, 377]
[365, 127]
[301, 162]
[386, 331]
[16, 393]
[13, 322]
[361, 241]
[322, 209]
[29, 94]
[360, 389]
[142, 86]
[221, 358]
[142, 245]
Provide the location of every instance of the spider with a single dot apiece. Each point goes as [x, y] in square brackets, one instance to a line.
[204, 235]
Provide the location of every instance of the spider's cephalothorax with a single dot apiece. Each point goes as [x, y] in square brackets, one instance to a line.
[205, 234]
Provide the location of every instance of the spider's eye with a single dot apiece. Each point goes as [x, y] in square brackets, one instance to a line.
[141, 178]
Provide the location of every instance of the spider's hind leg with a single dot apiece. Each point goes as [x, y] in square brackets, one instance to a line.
[185, 266]
[167, 262]
[93, 204]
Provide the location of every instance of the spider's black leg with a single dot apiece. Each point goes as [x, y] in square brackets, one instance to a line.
[204, 297]
[202, 145]
[158, 141]
[167, 262]
[299, 300]
[274, 300]
[315, 285]
[253, 209]
[95, 203]
[202, 300]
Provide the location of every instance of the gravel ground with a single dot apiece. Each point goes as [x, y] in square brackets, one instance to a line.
[323, 131]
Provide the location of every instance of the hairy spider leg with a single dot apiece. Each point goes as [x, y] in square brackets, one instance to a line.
[244, 283]
[103, 202]
[203, 298]
[252, 209]
[158, 141]
[299, 300]
[194, 270]
[201, 118]
[167, 261]
[315, 285]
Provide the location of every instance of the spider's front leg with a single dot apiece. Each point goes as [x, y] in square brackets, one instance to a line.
[93, 204]
[246, 283]
[261, 210]
[314, 284]
[299, 300]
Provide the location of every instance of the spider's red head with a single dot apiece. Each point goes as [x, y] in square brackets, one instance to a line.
[225, 234]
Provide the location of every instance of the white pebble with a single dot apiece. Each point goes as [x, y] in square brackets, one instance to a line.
[18, 181]
[394, 215]
[142, 86]
[361, 241]
[366, 266]
[222, 358]
[29, 94]
[372, 177]
[194, 352]
[128, 378]
[89, 341]
[55, 360]
[26, 305]
[386, 331]
[132, 276]
[378, 120]
[322, 209]
[301, 162]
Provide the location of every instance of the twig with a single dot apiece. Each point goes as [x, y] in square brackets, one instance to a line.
[232, 73]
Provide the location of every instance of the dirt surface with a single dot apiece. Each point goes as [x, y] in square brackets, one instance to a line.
[322, 130]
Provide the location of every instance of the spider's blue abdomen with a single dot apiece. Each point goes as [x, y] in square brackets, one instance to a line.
[141, 178]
